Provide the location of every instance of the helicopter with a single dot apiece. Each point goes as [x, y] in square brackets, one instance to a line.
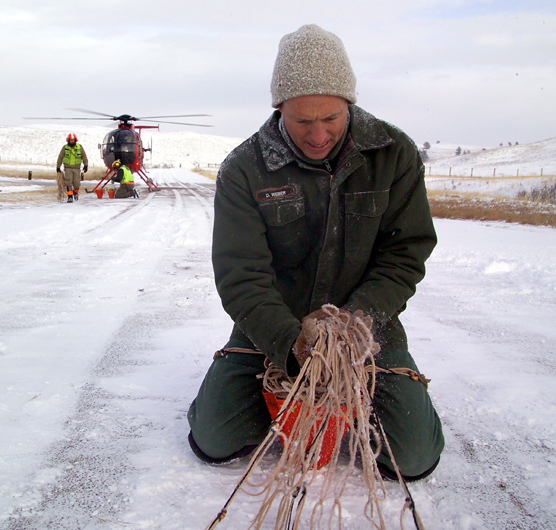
[125, 144]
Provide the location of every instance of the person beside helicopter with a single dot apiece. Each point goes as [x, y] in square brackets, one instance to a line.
[125, 177]
[72, 155]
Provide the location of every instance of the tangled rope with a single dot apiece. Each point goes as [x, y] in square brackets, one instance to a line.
[332, 395]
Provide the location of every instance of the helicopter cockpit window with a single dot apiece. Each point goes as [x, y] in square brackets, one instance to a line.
[120, 144]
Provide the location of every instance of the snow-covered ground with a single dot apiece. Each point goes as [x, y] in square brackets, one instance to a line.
[108, 321]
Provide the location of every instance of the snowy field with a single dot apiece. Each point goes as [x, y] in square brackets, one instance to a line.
[109, 319]
[500, 172]
[533, 159]
[38, 146]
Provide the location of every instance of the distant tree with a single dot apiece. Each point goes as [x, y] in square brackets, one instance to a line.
[517, 143]
[426, 145]
[458, 151]
[510, 144]
[501, 145]
[437, 141]
[424, 154]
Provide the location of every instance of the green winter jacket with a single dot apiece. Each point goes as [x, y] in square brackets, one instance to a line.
[290, 237]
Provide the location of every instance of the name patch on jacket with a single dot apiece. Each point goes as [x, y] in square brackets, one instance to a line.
[271, 194]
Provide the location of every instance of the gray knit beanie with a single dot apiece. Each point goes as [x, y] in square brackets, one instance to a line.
[311, 61]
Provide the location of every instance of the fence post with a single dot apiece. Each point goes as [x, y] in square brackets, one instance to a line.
[517, 173]
[471, 171]
[494, 173]
[450, 174]
[541, 171]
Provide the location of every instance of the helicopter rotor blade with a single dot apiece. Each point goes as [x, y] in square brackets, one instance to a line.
[127, 118]
[111, 116]
[41, 118]
[178, 123]
[175, 116]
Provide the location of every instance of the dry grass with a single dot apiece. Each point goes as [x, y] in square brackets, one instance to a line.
[43, 196]
[445, 205]
[95, 173]
[473, 206]
[46, 195]
[206, 173]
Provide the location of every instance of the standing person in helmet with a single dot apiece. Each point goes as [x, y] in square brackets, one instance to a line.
[125, 177]
[72, 155]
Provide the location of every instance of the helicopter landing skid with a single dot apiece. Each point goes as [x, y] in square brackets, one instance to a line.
[111, 172]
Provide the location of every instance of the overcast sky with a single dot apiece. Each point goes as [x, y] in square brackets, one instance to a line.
[475, 72]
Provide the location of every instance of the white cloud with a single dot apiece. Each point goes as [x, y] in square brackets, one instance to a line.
[15, 17]
[415, 61]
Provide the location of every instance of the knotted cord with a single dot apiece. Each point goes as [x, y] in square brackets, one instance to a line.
[332, 394]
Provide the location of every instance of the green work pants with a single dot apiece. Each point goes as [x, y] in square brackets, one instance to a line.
[229, 411]
[72, 177]
[124, 191]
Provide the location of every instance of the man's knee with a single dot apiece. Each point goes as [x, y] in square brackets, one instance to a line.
[412, 426]
[201, 455]
[417, 453]
[229, 412]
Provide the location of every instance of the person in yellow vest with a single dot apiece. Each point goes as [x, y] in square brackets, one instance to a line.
[125, 177]
[72, 155]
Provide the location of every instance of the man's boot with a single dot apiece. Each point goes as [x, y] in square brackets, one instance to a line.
[70, 198]
[75, 195]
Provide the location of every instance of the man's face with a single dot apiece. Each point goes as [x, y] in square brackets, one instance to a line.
[71, 142]
[315, 123]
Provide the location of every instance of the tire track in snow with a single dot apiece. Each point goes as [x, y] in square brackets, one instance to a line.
[92, 476]
[132, 209]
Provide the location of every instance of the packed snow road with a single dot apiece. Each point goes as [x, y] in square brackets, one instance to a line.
[92, 292]
[109, 319]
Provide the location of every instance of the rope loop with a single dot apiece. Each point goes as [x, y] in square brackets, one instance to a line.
[332, 397]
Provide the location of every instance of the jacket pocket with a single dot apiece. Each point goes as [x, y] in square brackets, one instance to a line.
[363, 214]
[286, 231]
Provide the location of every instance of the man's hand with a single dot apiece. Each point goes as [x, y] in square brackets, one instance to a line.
[309, 332]
[58, 170]
[367, 319]
[365, 341]
[85, 168]
[308, 337]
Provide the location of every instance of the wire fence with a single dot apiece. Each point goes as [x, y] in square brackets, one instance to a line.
[36, 161]
[492, 172]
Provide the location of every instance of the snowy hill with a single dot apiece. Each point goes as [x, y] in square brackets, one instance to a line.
[40, 145]
[440, 150]
[531, 159]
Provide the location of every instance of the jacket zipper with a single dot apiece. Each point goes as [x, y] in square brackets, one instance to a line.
[328, 167]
